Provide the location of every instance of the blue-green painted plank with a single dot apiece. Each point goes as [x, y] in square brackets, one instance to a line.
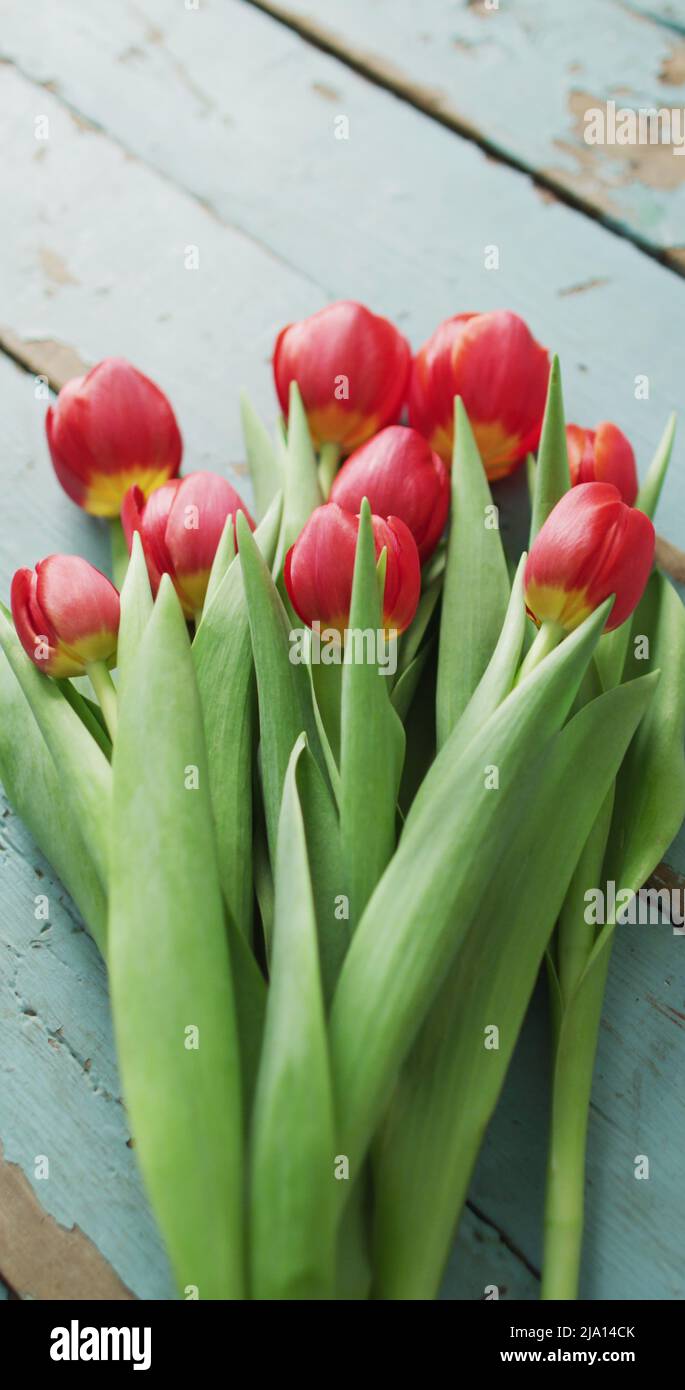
[634, 1227]
[59, 1089]
[668, 12]
[521, 76]
[239, 112]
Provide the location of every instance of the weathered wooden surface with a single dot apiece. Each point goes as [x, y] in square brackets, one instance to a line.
[240, 113]
[521, 77]
[668, 12]
[215, 128]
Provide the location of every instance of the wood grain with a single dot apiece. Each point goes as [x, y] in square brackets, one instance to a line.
[55, 362]
[239, 113]
[519, 79]
[215, 128]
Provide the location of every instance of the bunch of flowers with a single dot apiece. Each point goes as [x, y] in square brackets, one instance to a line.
[348, 786]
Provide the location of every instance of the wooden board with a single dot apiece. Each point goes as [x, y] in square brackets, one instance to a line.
[239, 112]
[221, 135]
[520, 78]
[668, 12]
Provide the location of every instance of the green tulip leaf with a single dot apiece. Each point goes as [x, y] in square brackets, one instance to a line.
[419, 722]
[552, 478]
[136, 608]
[223, 559]
[262, 459]
[411, 641]
[81, 765]
[476, 585]
[650, 791]
[292, 1181]
[650, 491]
[119, 552]
[250, 991]
[43, 801]
[285, 707]
[302, 489]
[326, 695]
[286, 710]
[408, 682]
[499, 676]
[372, 737]
[451, 1081]
[324, 850]
[453, 839]
[222, 656]
[170, 966]
[611, 653]
[263, 877]
[575, 935]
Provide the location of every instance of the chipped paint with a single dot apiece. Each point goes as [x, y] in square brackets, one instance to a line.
[44, 357]
[463, 75]
[41, 1259]
[54, 268]
[672, 71]
[322, 89]
[656, 166]
[584, 285]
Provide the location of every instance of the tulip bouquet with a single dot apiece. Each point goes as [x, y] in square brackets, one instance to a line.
[352, 779]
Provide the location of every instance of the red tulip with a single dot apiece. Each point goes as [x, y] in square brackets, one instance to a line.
[109, 430]
[319, 569]
[352, 368]
[180, 526]
[401, 476]
[603, 455]
[501, 373]
[66, 614]
[591, 546]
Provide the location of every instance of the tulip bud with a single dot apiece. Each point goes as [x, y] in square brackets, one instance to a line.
[501, 373]
[591, 546]
[180, 527]
[603, 455]
[319, 569]
[401, 476]
[108, 431]
[66, 614]
[352, 368]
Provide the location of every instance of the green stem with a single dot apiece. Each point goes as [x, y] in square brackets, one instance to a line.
[546, 639]
[87, 714]
[328, 466]
[353, 1264]
[105, 690]
[576, 936]
[119, 550]
[530, 478]
[571, 1090]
